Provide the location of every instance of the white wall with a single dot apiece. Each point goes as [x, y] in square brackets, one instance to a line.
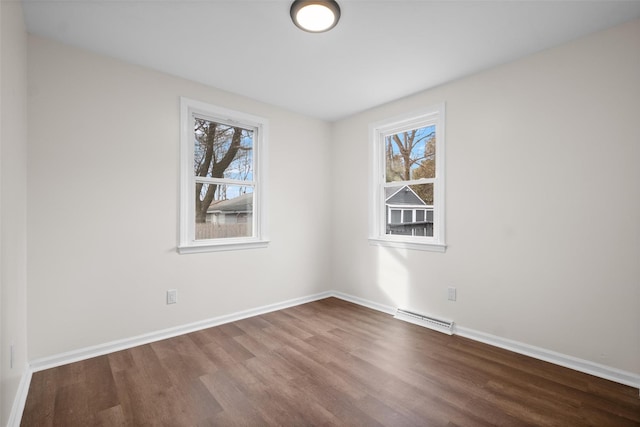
[543, 203]
[103, 205]
[13, 175]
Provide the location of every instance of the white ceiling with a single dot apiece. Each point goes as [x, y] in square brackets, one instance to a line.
[380, 50]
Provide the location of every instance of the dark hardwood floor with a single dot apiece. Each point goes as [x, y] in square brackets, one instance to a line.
[324, 363]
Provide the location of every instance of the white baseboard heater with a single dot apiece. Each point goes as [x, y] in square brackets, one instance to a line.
[439, 325]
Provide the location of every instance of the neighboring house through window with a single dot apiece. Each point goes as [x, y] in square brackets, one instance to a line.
[222, 178]
[406, 213]
[407, 181]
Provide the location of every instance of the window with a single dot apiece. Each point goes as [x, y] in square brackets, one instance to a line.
[222, 179]
[407, 181]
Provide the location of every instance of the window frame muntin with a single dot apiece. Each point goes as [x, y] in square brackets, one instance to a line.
[189, 108]
[378, 131]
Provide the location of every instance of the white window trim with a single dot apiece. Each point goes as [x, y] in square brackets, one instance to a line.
[377, 131]
[187, 243]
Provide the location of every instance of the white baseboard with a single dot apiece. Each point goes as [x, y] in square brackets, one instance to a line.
[110, 347]
[581, 365]
[363, 302]
[19, 401]
[602, 371]
[123, 344]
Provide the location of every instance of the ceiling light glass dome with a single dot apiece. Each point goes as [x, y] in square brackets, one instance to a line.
[315, 16]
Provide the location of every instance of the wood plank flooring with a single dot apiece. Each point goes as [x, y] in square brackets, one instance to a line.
[324, 363]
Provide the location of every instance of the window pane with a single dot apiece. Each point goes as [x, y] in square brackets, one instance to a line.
[407, 199]
[411, 154]
[222, 151]
[424, 193]
[395, 216]
[223, 211]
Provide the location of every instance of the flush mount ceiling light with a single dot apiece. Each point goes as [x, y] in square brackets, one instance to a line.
[315, 16]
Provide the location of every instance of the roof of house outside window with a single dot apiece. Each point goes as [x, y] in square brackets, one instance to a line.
[402, 195]
[243, 203]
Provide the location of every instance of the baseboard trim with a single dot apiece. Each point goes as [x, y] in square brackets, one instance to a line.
[363, 302]
[581, 365]
[113, 346]
[20, 400]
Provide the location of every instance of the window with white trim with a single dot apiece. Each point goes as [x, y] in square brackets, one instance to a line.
[222, 178]
[407, 181]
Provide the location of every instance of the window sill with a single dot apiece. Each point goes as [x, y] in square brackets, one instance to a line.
[218, 247]
[420, 246]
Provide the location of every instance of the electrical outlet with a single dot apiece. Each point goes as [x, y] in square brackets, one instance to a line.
[172, 296]
[452, 294]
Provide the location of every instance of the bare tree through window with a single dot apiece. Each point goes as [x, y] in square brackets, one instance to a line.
[225, 152]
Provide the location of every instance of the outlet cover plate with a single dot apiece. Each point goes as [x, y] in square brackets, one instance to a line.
[172, 296]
